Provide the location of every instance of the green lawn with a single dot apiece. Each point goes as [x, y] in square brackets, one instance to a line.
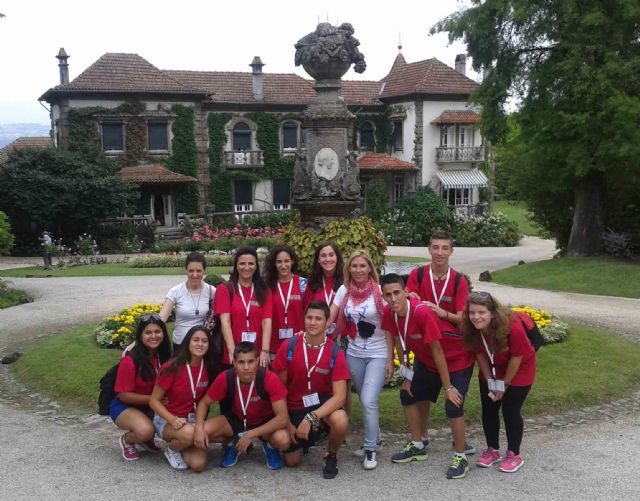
[602, 276]
[590, 367]
[103, 270]
[517, 212]
[10, 297]
[402, 259]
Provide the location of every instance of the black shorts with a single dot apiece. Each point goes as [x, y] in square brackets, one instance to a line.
[296, 418]
[426, 385]
[237, 424]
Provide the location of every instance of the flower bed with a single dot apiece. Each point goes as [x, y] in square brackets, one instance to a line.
[177, 261]
[552, 329]
[118, 331]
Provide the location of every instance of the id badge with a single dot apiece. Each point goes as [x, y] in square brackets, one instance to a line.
[311, 400]
[241, 434]
[496, 385]
[331, 329]
[191, 418]
[406, 373]
[285, 333]
[249, 336]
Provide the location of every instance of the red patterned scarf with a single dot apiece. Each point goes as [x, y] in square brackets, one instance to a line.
[357, 296]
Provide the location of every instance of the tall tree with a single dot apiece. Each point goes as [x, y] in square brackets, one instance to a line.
[573, 67]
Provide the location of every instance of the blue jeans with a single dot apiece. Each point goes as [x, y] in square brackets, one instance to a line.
[367, 375]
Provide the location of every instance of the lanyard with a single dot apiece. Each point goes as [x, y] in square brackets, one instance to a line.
[327, 297]
[244, 406]
[489, 354]
[306, 361]
[433, 286]
[194, 389]
[285, 303]
[403, 339]
[247, 306]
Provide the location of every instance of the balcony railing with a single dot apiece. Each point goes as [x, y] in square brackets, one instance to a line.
[460, 154]
[243, 159]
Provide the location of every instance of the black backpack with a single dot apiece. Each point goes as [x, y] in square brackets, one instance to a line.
[216, 334]
[456, 279]
[535, 336]
[107, 393]
[226, 404]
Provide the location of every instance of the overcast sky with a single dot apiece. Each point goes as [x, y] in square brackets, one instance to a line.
[199, 35]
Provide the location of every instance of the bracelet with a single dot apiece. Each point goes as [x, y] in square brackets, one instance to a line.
[265, 351]
[312, 417]
[449, 389]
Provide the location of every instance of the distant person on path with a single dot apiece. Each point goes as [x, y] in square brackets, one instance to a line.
[47, 245]
[507, 362]
[134, 383]
[445, 291]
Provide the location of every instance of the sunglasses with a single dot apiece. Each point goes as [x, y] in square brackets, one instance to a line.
[153, 316]
[480, 295]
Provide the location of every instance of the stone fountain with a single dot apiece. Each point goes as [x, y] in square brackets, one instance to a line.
[326, 176]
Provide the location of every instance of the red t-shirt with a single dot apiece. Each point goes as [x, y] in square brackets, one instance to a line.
[295, 312]
[322, 377]
[127, 381]
[422, 330]
[319, 295]
[177, 388]
[519, 346]
[238, 314]
[258, 410]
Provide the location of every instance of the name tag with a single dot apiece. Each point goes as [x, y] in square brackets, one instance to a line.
[249, 336]
[191, 418]
[285, 333]
[202, 384]
[496, 385]
[311, 400]
[331, 329]
[406, 373]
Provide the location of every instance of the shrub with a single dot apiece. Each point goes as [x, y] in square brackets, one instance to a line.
[177, 261]
[377, 199]
[118, 331]
[487, 230]
[348, 234]
[214, 279]
[271, 219]
[113, 237]
[618, 244]
[6, 237]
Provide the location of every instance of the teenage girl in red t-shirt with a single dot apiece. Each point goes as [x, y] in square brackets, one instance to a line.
[507, 364]
[136, 376]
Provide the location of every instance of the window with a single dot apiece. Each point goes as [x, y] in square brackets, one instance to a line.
[364, 181]
[158, 137]
[448, 136]
[243, 195]
[303, 137]
[398, 188]
[367, 137]
[112, 137]
[241, 136]
[465, 135]
[281, 194]
[289, 135]
[396, 136]
[456, 196]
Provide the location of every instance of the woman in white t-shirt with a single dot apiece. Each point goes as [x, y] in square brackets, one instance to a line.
[359, 306]
[192, 299]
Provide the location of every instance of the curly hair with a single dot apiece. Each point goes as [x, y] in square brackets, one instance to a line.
[498, 330]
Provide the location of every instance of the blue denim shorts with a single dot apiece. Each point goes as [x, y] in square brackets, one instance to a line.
[159, 423]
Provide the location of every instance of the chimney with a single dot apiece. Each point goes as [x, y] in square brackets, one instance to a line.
[461, 64]
[64, 67]
[256, 67]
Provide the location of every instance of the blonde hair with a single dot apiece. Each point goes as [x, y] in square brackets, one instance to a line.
[365, 255]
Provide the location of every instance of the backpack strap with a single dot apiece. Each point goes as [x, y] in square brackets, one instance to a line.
[456, 281]
[292, 342]
[260, 377]
[230, 287]
[227, 403]
[420, 275]
[334, 354]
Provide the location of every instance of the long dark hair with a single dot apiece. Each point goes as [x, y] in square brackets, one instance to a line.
[183, 355]
[140, 353]
[259, 286]
[316, 276]
[270, 268]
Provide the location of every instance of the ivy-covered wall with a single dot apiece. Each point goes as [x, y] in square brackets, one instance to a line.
[383, 127]
[184, 157]
[220, 186]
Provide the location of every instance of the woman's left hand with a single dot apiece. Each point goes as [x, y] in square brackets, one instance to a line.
[264, 359]
[389, 369]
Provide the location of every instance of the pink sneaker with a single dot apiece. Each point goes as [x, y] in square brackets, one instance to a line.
[129, 451]
[149, 446]
[488, 458]
[511, 463]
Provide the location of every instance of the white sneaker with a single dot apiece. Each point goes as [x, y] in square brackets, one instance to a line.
[359, 453]
[370, 461]
[175, 459]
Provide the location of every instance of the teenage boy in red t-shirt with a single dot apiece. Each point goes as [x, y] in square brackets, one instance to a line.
[316, 374]
[258, 410]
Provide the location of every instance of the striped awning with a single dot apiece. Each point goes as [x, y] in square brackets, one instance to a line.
[462, 178]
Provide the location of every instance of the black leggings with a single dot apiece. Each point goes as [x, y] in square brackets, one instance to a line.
[511, 403]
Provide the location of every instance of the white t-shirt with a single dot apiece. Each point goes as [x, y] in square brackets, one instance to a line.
[186, 304]
[374, 346]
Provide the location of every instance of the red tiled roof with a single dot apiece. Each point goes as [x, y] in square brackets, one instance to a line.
[425, 77]
[383, 162]
[154, 174]
[24, 142]
[457, 117]
[117, 72]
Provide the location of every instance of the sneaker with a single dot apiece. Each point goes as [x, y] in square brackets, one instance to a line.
[129, 451]
[488, 458]
[511, 462]
[175, 459]
[330, 469]
[369, 462]
[274, 461]
[458, 468]
[229, 456]
[149, 446]
[425, 442]
[468, 448]
[360, 452]
[410, 453]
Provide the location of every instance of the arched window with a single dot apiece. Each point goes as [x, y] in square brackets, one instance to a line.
[241, 136]
[289, 135]
[367, 137]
